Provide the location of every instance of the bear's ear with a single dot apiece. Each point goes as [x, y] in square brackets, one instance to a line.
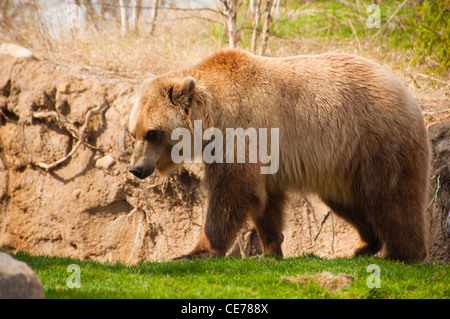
[181, 93]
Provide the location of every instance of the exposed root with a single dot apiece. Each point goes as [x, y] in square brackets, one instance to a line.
[48, 167]
[126, 217]
[6, 117]
[438, 187]
[328, 213]
[138, 241]
[79, 134]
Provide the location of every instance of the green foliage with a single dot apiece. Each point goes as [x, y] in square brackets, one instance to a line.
[419, 27]
[430, 27]
[236, 278]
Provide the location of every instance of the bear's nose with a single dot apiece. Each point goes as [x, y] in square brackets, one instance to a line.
[136, 171]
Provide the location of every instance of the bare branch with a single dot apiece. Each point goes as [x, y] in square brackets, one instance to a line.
[354, 33]
[434, 79]
[165, 8]
[192, 17]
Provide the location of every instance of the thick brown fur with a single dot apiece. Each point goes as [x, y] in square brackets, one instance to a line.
[349, 131]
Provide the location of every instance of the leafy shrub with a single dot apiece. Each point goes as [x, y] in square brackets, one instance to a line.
[430, 27]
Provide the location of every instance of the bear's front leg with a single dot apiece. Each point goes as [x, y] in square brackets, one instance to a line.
[235, 193]
[202, 250]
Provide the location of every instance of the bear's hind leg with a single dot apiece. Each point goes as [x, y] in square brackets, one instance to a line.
[397, 208]
[358, 218]
[372, 244]
[401, 227]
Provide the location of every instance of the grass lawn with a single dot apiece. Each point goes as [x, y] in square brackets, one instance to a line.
[259, 278]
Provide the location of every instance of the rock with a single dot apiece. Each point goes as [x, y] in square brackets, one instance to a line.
[3, 102]
[15, 50]
[324, 279]
[64, 87]
[439, 206]
[8, 241]
[447, 223]
[3, 180]
[76, 193]
[105, 162]
[17, 280]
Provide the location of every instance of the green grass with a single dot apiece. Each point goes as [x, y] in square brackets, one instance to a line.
[236, 278]
[331, 19]
[334, 20]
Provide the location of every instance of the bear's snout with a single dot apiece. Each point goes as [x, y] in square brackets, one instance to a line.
[140, 172]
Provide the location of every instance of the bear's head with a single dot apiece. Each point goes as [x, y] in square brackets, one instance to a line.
[164, 104]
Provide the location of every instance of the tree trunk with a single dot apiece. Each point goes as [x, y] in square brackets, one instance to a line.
[123, 17]
[267, 22]
[256, 22]
[134, 15]
[230, 11]
[252, 6]
[276, 5]
[153, 15]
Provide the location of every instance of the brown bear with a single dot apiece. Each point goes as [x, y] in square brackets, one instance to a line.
[348, 131]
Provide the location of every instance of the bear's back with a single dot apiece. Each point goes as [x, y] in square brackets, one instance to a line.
[330, 109]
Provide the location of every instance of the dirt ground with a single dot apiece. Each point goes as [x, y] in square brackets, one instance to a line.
[88, 206]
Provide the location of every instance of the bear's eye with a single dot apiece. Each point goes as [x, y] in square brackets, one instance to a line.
[170, 93]
[151, 136]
